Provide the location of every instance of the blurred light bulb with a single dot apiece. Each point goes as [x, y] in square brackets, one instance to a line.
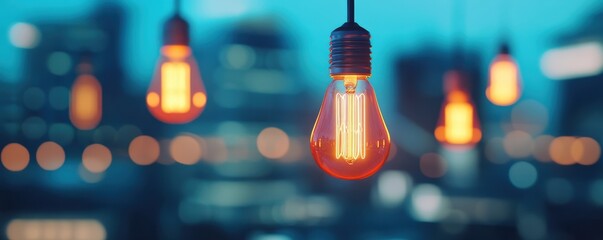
[176, 94]
[458, 124]
[86, 108]
[504, 87]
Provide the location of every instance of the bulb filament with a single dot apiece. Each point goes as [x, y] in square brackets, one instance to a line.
[350, 120]
[175, 87]
[458, 122]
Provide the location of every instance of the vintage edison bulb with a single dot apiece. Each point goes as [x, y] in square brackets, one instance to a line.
[177, 94]
[504, 87]
[350, 140]
[85, 106]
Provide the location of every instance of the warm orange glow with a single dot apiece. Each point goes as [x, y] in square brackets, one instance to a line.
[504, 87]
[560, 150]
[85, 110]
[585, 151]
[96, 158]
[273, 143]
[15, 157]
[350, 139]
[144, 150]
[199, 100]
[153, 99]
[458, 123]
[176, 51]
[47, 229]
[176, 94]
[186, 150]
[50, 155]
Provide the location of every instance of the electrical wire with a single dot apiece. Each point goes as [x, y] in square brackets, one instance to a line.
[350, 10]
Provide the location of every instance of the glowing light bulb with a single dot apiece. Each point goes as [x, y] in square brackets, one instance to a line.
[458, 124]
[176, 94]
[86, 107]
[350, 140]
[504, 87]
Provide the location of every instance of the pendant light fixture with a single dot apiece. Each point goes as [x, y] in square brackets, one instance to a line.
[504, 85]
[85, 103]
[176, 94]
[458, 125]
[350, 140]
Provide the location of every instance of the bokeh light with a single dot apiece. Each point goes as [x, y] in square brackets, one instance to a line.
[392, 187]
[144, 150]
[518, 144]
[47, 229]
[24, 35]
[58, 98]
[59, 63]
[273, 143]
[61, 133]
[541, 148]
[96, 158]
[34, 127]
[428, 203]
[585, 151]
[15, 157]
[185, 149]
[523, 175]
[560, 150]
[529, 116]
[50, 156]
[34, 98]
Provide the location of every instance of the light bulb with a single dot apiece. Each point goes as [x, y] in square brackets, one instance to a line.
[85, 107]
[504, 87]
[458, 124]
[350, 140]
[176, 94]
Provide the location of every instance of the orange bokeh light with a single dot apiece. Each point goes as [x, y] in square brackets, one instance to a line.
[15, 157]
[144, 150]
[186, 150]
[85, 109]
[96, 158]
[50, 156]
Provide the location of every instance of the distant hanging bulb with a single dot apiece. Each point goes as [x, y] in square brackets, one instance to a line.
[350, 140]
[504, 87]
[86, 107]
[458, 124]
[176, 94]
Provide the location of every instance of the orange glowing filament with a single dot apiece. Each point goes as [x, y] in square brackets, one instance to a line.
[458, 122]
[175, 87]
[350, 121]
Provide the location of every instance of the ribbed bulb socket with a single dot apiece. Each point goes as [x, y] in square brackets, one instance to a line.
[350, 50]
[176, 31]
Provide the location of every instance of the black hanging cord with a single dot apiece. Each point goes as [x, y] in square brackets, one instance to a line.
[177, 7]
[350, 10]
[459, 22]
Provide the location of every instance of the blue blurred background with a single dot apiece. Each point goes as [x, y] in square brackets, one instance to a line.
[247, 172]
